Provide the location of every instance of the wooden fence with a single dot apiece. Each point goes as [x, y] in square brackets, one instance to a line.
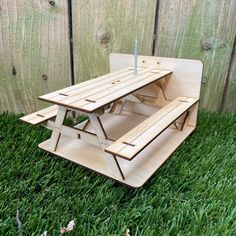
[46, 45]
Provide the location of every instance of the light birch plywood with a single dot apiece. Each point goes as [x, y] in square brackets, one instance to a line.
[83, 90]
[74, 133]
[90, 84]
[56, 132]
[139, 137]
[115, 125]
[40, 116]
[111, 161]
[137, 171]
[90, 96]
[173, 77]
[185, 79]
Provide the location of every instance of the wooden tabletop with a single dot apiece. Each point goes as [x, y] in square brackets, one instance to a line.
[93, 94]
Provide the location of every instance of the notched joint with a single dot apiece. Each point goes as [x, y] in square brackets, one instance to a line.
[130, 144]
[40, 115]
[63, 94]
[88, 100]
[183, 101]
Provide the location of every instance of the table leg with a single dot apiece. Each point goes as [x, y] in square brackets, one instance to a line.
[112, 162]
[61, 115]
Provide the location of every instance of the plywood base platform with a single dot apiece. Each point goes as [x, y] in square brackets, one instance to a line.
[137, 171]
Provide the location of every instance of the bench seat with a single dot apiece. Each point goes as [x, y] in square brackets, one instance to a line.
[129, 145]
[40, 116]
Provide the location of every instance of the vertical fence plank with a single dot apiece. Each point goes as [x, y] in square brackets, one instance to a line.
[34, 52]
[104, 26]
[229, 101]
[202, 30]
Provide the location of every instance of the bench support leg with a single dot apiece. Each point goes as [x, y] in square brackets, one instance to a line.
[111, 160]
[184, 121]
[61, 115]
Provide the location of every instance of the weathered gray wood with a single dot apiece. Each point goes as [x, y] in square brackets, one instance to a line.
[229, 101]
[204, 30]
[34, 52]
[104, 26]
[34, 43]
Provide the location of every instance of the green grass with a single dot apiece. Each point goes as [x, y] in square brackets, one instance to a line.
[193, 193]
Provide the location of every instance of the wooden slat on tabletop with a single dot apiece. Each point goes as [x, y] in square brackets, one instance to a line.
[106, 98]
[106, 89]
[93, 88]
[73, 88]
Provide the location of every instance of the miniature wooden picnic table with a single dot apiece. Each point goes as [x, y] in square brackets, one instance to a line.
[119, 138]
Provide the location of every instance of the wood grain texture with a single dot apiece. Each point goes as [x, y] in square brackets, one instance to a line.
[129, 145]
[104, 26]
[199, 29]
[34, 52]
[40, 116]
[137, 171]
[229, 101]
[94, 94]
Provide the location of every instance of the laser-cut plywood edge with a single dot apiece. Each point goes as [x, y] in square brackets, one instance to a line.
[133, 142]
[185, 78]
[137, 171]
[185, 81]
